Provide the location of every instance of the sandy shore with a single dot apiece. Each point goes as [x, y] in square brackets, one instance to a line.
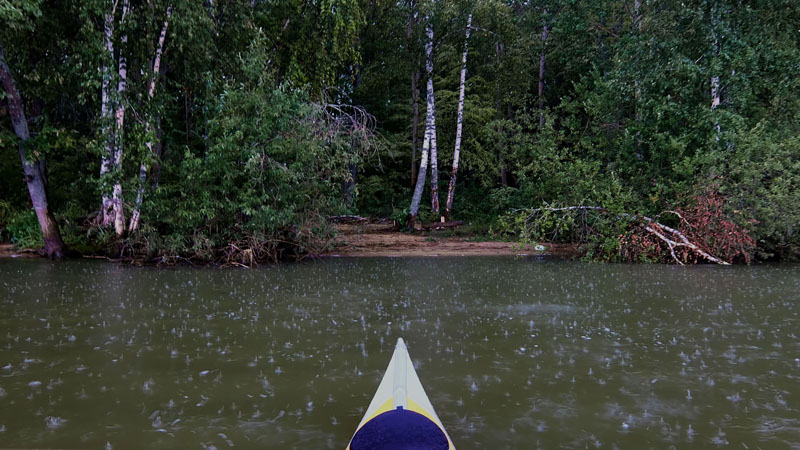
[382, 240]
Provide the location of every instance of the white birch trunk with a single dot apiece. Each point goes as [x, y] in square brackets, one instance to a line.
[151, 89]
[119, 114]
[715, 101]
[106, 113]
[434, 157]
[423, 169]
[430, 129]
[459, 123]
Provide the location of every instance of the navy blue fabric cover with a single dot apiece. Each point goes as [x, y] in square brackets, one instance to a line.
[399, 429]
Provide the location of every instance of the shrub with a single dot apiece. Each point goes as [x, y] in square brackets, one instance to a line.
[271, 173]
[24, 231]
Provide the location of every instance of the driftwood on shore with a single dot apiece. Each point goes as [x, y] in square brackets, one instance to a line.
[352, 220]
[348, 219]
[442, 225]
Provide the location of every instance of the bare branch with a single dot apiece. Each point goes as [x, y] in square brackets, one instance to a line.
[670, 236]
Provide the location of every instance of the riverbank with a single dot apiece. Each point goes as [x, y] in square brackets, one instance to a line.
[383, 240]
[11, 251]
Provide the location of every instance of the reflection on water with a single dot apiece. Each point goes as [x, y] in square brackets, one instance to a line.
[514, 353]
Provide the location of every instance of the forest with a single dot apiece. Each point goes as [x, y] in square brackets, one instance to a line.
[211, 130]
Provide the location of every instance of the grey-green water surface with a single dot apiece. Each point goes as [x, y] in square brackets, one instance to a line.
[513, 353]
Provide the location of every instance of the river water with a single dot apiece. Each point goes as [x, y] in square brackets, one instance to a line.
[514, 353]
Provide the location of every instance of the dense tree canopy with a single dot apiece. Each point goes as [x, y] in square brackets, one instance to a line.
[234, 128]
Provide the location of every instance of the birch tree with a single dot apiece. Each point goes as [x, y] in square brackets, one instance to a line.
[34, 177]
[434, 158]
[119, 116]
[429, 141]
[106, 117]
[134, 223]
[459, 123]
[111, 163]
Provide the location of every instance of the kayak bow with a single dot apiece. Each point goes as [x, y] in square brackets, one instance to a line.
[400, 415]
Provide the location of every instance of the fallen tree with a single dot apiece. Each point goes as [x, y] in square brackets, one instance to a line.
[703, 232]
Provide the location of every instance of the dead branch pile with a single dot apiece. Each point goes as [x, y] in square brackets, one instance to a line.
[703, 232]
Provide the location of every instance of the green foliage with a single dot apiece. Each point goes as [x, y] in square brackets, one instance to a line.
[400, 217]
[269, 176]
[5, 215]
[763, 188]
[23, 230]
[254, 158]
[382, 195]
[15, 14]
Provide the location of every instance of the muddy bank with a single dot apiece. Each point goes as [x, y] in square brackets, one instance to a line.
[11, 251]
[362, 240]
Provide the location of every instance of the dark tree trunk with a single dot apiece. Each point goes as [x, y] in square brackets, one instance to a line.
[498, 106]
[541, 73]
[33, 170]
[415, 126]
[187, 113]
[159, 153]
[415, 76]
[349, 185]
